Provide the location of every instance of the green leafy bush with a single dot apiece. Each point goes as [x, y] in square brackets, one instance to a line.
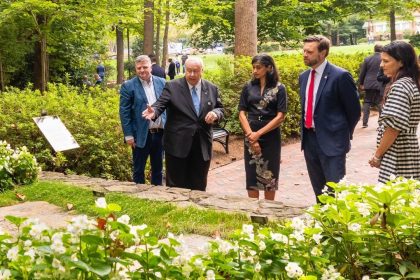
[361, 232]
[90, 115]
[16, 167]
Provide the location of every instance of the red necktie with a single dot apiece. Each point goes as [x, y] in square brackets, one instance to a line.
[309, 103]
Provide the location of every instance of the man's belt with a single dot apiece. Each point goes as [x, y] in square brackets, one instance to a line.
[155, 130]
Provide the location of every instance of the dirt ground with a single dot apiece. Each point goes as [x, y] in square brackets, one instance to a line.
[236, 152]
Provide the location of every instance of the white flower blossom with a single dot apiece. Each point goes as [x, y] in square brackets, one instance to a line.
[279, 237]
[101, 202]
[27, 243]
[363, 208]
[5, 274]
[186, 270]
[293, 270]
[355, 227]
[268, 261]
[262, 245]
[37, 230]
[248, 229]
[79, 224]
[257, 267]
[330, 274]
[298, 224]
[30, 253]
[198, 263]
[57, 265]
[124, 219]
[210, 275]
[158, 274]
[13, 253]
[366, 277]
[317, 238]
[114, 235]
[316, 251]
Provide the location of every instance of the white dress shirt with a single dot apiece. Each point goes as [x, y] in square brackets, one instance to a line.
[318, 75]
[151, 98]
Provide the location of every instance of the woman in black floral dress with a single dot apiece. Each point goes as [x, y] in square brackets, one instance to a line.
[262, 108]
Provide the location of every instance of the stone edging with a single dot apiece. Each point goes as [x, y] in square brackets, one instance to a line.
[182, 197]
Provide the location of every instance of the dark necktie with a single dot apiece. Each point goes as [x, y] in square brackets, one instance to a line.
[196, 101]
[310, 101]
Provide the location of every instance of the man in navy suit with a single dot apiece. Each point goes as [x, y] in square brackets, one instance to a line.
[330, 112]
[143, 136]
[193, 105]
[156, 69]
[369, 83]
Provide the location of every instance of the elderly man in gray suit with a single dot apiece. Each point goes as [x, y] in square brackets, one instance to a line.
[192, 105]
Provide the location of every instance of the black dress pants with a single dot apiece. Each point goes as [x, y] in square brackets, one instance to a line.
[190, 172]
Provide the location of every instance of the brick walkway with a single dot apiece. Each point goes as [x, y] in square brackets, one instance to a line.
[294, 187]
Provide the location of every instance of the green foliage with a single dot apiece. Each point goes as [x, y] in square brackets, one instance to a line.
[17, 167]
[360, 232]
[415, 40]
[91, 116]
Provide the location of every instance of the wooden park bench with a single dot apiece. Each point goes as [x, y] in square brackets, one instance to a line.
[221, 135]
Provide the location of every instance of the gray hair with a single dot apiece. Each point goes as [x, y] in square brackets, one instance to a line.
[142, 58]
[195, 59]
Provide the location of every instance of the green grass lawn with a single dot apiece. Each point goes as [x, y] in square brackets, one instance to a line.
[160, 216]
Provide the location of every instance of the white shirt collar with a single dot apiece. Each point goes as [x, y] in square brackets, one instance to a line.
[197, 86]
[320, 69]
[148, 83]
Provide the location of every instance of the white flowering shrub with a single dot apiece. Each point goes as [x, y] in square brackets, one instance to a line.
[16, 166]
[360, 232]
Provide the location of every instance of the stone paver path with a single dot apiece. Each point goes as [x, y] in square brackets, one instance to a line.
[295, 187]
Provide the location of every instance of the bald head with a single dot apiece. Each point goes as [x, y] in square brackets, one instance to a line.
[193, 70]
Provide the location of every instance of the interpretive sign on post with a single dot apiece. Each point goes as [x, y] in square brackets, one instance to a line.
[56, 133]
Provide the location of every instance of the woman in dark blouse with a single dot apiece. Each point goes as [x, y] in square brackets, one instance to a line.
[262, 108]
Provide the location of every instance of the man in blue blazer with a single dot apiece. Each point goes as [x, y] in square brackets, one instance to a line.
[330, 112]
[143, 136]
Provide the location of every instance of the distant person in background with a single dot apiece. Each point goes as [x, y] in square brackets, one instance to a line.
[398, 150]
[384, 80]
[86, 82]
[369, 84]
[100, 70]
[184, 58]
[171, 69]
[178, 66]
[156, 69]
[98, 80]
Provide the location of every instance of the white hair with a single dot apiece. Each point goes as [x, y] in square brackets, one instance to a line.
[195, 59]
[142, 58]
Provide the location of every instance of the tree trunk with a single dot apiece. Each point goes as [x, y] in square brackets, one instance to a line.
[128, 44]
[165, 35]
[40, 64]
[1, 76]
[148, 27]
[338, 36]
[157, 42]
[120, 54]
[245, 27]
[392, 25]
[41, 57]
